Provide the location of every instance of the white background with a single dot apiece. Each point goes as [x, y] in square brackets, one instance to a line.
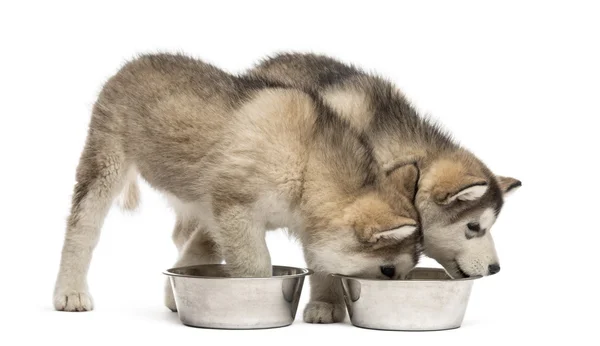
[516, 82]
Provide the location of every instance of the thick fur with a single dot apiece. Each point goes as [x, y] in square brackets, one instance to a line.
[455, 188]
[237, 156]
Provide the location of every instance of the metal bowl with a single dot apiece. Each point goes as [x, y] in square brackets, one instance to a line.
[207, 296]
[428, 299]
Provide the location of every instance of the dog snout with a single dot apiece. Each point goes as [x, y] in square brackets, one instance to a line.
[389, 271]
[493, 268]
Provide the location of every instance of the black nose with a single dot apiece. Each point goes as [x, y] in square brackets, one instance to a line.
[388, 271]
[493, 268]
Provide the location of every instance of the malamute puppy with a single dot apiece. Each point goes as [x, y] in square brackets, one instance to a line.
[237, 156]
[458, 197]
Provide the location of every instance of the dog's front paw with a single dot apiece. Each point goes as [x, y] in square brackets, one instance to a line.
[72, 300]
[323, 312]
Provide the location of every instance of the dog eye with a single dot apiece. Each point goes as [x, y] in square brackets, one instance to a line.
[473, 226]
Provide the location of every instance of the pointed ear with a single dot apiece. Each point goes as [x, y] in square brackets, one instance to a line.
[373, 220]
[404, 179]
[448, 181]
[461, 188]
[458, 188]
[508, 185]
[395, 234]
[467, 193]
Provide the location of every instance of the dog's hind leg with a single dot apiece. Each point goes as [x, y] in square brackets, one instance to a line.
[100, 177]
[198, 249]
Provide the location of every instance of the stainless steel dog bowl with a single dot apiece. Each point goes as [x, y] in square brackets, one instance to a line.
[427, 300]
[207, 296]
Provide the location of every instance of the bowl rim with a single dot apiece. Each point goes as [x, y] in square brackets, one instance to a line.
[304, 272]
[470, 278]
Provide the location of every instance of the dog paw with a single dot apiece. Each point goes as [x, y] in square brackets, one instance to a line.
[323, 312]
[73, 301]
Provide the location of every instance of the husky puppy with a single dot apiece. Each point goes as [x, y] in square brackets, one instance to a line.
[458, 197]
[237, 156]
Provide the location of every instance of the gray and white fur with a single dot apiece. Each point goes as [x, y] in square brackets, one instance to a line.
[458, 197]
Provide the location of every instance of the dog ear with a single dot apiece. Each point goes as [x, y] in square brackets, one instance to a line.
[448, 181]
[508, 185]
[469, 192]
[397, 234]
[374, 220]
[404, 179]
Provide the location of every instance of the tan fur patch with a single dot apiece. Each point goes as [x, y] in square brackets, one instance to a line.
[446, 178]
[369, 215]
[352, 104]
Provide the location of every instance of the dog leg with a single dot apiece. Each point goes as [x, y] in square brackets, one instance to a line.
[326, 303]
[242, 243]
[199, 249]
[100, 177]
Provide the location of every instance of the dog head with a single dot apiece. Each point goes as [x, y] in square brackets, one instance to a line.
[459, 200]
[376, 234]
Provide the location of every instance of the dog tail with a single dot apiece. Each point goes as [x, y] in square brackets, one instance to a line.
[130, 196]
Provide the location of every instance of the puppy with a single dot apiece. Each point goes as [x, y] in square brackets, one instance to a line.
[458, 197]
[237, 156]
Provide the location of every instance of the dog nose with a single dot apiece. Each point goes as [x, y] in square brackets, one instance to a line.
[388, 271]
[493, 268]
